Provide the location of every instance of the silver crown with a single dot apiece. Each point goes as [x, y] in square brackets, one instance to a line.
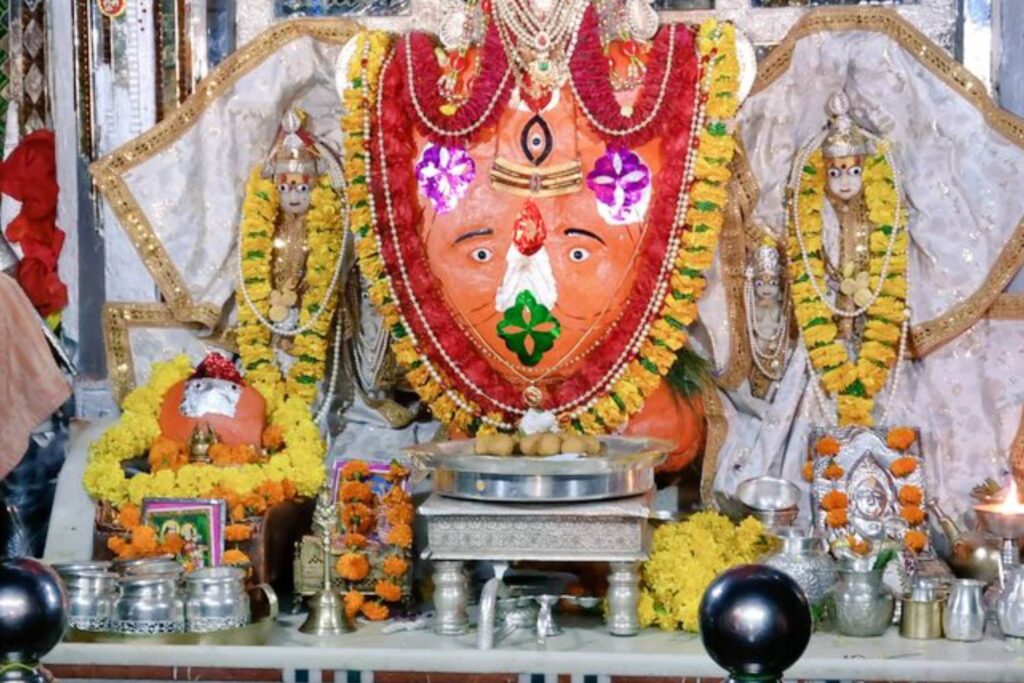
[845, 138]
[765, 261]
[291, 153]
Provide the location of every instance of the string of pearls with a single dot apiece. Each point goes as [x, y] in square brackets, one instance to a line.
[332, 384]
[794, 209]
[426, 120]
[512, 53]
[335, 278]
[771, 363]
[529, 29]
[651, 116]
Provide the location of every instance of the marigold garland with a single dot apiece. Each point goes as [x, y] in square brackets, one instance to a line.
[613, 405]
[300, 463]
[854, 382]
[324, 237]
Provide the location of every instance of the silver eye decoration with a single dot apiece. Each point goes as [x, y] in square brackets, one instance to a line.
[855, 171]
[578, 254]
[834, 173]
[482, 255]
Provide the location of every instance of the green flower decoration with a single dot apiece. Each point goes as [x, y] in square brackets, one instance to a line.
[529, 329]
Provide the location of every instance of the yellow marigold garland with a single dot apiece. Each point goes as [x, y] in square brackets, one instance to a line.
[704, 218]
[324, 237]
[105, 479]
[854, 382]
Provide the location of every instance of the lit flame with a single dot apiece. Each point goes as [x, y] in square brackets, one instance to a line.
[1011, 504]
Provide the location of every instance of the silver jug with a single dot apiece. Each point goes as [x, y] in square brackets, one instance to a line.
[802, 556]
[215, 599]
[861, 604]
[92, 594]
[1010, 606]
[149, 605]
[965, 611]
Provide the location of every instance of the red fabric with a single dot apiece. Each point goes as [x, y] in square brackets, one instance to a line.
[393, 131]
[29, 175]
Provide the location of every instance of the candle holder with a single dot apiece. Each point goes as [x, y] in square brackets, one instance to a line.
[1005, 520]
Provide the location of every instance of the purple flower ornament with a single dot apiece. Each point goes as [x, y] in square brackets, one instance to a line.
[444, 175]
[621, 182]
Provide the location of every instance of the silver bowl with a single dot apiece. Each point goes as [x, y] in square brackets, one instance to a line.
[169, 568]
[126, 567]
[776, 519]
[768, 493]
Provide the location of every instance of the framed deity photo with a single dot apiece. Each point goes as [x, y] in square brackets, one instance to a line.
[199, 522]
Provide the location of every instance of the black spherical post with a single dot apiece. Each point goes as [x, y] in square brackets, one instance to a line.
[32, 608]
[755, 622]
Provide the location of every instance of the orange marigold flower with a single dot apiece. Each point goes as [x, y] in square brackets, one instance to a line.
[116, 544]
[237, 512]
[400, 535]
[353, 566]
[836, 518]
[144, 539]
[388, 591]
[395, 566]
[834, 471]
[354, 541]
[858, 546]
[353, 603]
[166, 453]
[835, 500]
[238, 532]
[272, 491]
[396, 473]
[235, 557]
[400, 514]
[827, 445]
[903, 467]
[912, 513]
[915, 540]
[172, 544]
[288, 488]
[910, 495]
[129, 516]
[357, 517]
[355, 469]
[374, 611]
[273, 438]
[356, 492]
[808, 471]
[901, 438]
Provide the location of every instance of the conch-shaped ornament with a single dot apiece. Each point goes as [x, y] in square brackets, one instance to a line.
[643, 20]
[203, 437]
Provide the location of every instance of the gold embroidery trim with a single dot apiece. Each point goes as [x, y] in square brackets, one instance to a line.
[118, 320]
[928, 335]
[1007, 307]
[109, 171]
[717, 431]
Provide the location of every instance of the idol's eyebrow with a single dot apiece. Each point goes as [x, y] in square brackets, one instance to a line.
[584, 233]
[482, 232]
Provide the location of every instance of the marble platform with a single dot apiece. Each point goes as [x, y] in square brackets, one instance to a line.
[585, 653]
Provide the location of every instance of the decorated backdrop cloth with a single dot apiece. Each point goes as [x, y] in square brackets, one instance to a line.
[32, 386]
[961, 162]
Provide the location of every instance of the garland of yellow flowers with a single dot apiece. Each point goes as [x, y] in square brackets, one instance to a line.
[708, 196]
[301, 460]
[854, 382]
[324, 237]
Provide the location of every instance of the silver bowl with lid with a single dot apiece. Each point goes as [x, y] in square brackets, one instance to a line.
[124, 567]
[92, 594]
[215, 599]
[149, 605]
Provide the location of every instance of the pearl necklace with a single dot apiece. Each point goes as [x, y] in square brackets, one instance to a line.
[428, 122]
[797, 185]
[651, 116]
[558, 33]
[632, 348]
[771, 363]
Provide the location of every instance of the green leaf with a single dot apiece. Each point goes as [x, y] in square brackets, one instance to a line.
[689, 373]
[885, 557]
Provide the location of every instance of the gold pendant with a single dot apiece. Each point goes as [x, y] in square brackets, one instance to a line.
[533, 396]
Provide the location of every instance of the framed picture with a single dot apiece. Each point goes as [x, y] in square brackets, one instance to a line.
[199, 522]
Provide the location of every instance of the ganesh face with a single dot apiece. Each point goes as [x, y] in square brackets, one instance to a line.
[766, 288]
[845, 179]
[295, 192]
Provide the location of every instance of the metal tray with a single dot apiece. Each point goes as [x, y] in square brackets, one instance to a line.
[624, 468]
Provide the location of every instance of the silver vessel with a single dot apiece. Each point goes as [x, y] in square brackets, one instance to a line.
[149, 605]
[1010, 607]
[802, 556]
[215, 599]
[965, 614]
[136, 566]
[624, 468]
[861, 603]
[92, 594]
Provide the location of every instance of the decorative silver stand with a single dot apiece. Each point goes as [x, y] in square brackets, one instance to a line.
[614, 531]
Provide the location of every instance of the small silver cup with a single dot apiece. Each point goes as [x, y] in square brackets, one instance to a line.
[965, 614]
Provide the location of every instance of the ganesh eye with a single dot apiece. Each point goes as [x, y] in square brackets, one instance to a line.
[283, 187]
[303, 187]
[578, 255]
[855, 171]
[834, 173]
[482, 255]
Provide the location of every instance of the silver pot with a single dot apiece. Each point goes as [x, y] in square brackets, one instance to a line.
[92, 595]
[149, 605]
[215, 599]
[165, 568]
[802, 556]
[1010, 608]
[965, 615]
[861, 603]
